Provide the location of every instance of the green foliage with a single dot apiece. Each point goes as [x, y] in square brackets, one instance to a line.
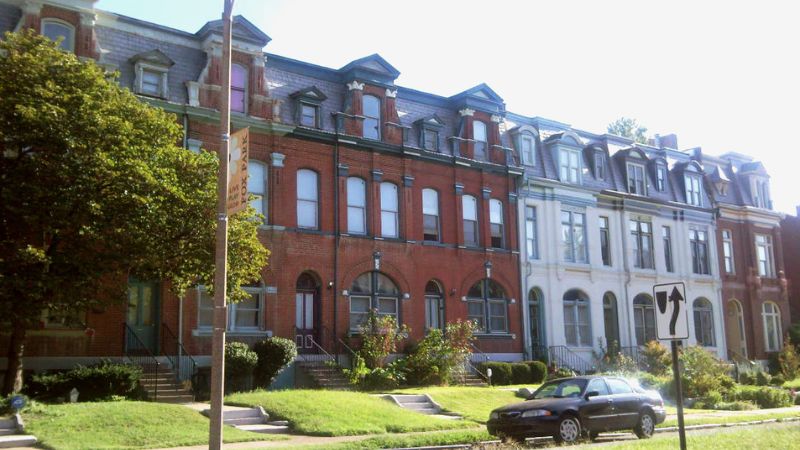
[788, 359]
[612, 360]
[98, 382]
[764, 396]
[274, 354]
[383, 378]
[747, 378]
[538, 371]
[438, 356]
[5, 404]
[520, 373]
[649, 381]
[736, 406]
[777, 380]
[703, 373]
[709, 401]
[628, 128]
[93, 187]
[657, 359]
[559, 372]
[379, 338]
[239, 359]
[502, 372]
[763, 378]
[794, 332]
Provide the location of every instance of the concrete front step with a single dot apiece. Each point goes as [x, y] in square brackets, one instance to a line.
[418, 403]
[265, 428]
[411, 398]
[17, 440]
[7, 431]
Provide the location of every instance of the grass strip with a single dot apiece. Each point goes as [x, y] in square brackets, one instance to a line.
[472, 403]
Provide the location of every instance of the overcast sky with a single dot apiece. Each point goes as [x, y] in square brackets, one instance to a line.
[724, 76]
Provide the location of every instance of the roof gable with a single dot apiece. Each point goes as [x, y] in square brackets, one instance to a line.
[242, 30]
[372, 67]
[310, 93]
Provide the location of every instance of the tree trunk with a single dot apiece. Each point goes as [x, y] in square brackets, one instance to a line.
[13, 378]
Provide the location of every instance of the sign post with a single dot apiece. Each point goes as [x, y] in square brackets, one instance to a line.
[672, 324]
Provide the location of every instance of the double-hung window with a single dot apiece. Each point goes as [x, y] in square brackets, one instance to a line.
[573, 237]
[727, 251]
[600, 165]
[666, 234]
[308, 115]
[372, 117]
[771, 317]
[766, 265]
[430, 140]
[531, 230]
[642, 237]
[577, 319]
[479, 136]
[661, 177]
[56, 29]
[469, 206]
[704, 323]
[257, 186]
[569, 165]
[243, 316]
[307, 199]
[356, 206]
[496, 222]
[698, 240]
[430, 215]
[389, 211]
[605, 241]
[693, 190]
[636, 180]
[238, 88]
[528, 149]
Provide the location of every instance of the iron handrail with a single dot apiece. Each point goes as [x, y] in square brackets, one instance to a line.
[566, 357]
[483, 359]
[130, 337]
[180, 353]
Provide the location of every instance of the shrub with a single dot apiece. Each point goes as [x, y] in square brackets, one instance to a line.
[711, 399]
[703, 373]
[502, 373]
[97, 382]
[239, 359]
[765, 397]
[789, 360]
[612, 360]
[438, 356]
[794, 332]
[5, 404]
[559, 372]
[273, 354]
[777, 380]
[538, 371]
[763, 378]
[657, 359]
[747, 378]
[381, 378]
[649, 381]
[520, 373]
[736, 406]
[379, 338]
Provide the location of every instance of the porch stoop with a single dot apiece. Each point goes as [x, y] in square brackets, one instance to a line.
[255, 420]
[162, 385]
[325, 375]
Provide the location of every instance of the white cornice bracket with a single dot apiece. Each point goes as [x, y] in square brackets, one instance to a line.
[467, 112]
[355, 86]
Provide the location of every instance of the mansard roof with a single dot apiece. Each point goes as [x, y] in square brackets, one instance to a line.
[243, 30]
[154, 56]
[311, 93]
[9, 16]
[481, 98]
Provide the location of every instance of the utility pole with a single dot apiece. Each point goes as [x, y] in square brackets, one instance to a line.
[221, 252]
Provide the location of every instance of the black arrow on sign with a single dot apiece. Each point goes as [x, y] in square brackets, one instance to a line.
[675, 297]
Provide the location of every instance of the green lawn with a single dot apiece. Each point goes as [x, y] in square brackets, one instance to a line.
[792, 384]
[473, 403]
[407, 441]
[781, 436]
[122, 425]
[740, 416]
[341, 413]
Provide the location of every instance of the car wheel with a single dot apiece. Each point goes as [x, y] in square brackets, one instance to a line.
[646, 426]
[569, 430]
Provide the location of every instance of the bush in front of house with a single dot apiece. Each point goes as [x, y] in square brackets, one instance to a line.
[788, 360]
[520, 373]
[439, 356]
[703, 373]
[657, 359]
[102, 381]
[764, 396]
[502, 374]
[273, 356]
[538, 371]
[555, 373]
[239, 364]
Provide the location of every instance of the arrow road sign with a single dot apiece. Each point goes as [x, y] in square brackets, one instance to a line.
[672, 315]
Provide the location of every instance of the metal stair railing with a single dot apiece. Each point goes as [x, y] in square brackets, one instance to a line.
[182, 362]
[138, 354]
[477, 357]
[540, 353]
[564, 357]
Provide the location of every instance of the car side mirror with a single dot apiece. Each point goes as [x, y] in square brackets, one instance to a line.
[591, 394]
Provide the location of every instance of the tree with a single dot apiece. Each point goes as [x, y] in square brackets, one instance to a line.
[93, 189]
[628, 128]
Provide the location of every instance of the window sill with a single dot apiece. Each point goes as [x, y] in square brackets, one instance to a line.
[202, 332]
[495, 336]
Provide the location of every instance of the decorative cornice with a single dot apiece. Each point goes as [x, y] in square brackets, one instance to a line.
[355, 86]
[277, 159]
[466, 112]
[391, 93]
[496, 118]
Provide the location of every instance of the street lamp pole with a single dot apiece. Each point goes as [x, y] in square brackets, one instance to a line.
[221, 251]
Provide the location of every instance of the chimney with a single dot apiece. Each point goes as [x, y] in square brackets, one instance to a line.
[668, 141]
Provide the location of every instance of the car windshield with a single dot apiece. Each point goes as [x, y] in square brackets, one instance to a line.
[560, 388]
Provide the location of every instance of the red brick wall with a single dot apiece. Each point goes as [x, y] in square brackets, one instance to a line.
[790, 229]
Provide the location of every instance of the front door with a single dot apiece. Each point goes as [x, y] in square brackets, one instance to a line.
[142, 315]
[305, 329]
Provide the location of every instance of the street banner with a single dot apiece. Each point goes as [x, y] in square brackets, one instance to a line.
[237, 171]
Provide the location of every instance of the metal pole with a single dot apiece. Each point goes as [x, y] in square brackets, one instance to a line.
[221, 252]
[679, 394]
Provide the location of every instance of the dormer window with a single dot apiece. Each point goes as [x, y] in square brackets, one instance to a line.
[238, 88]
[761, 193]
[636, 181]
[661, 177]
[569, 163]
[307, 106]
[527, 144]
[151, 69]
[600, 165]
[479, 136]
[693, 189]
[56, 29]
[372, 117]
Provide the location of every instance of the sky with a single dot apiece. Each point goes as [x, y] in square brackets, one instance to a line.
[724, 76]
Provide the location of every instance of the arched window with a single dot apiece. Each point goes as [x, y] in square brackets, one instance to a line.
[356, 206]
[257, 186]
[238, 88]
[771, 315]
[577, 318]
[487, 304]
[535, 317]
[372, 114]
[307, 199]
[373, 290]
[527, 144]
[496, 223]
[469, 207]
[390, 210]
[734, 327]
[56, 29]
[644, 319]
[434, 306]
[430, 215]
[704, 323]
[610, 320]
[479, 136]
